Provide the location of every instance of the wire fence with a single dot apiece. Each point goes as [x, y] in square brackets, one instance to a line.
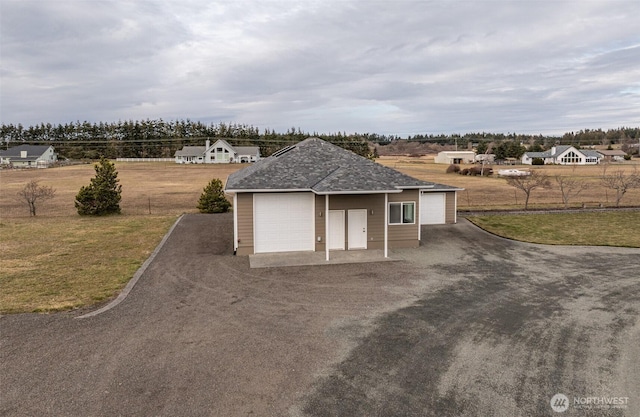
[145, 159]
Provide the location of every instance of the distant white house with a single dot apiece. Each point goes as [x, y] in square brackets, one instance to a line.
[564, 155]
[28, 156]
[221, 152]
[455, 157]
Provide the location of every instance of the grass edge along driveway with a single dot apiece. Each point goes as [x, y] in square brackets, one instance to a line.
[583, 229]
[63, 263]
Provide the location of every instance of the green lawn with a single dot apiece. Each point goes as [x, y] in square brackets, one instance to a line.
[51, 264]
[591, 229]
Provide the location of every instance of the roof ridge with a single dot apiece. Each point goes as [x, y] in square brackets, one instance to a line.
[326, 176]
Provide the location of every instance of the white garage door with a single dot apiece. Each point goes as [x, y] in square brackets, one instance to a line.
[432, 208]
[283, 222]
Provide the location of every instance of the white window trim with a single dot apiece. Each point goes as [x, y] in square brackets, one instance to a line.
[402, 203]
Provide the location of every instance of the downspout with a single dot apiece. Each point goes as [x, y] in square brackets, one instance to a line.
[326, 227]
[386, 225]
[235, 223]
[419, 208]
[455, 207]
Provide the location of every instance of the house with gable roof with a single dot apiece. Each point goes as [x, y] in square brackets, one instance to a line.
[564, 155]
[221, 152]
[29, 156]
[316, 196]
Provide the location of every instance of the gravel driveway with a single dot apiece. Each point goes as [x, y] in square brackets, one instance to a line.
[467, 324]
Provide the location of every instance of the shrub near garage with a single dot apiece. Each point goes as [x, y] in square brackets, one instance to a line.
[102, 196]
[212, 199]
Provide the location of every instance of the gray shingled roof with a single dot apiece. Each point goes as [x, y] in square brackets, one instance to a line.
[548, 153]
[33, 151]
[545, 154]
[246, 150]
[588, 152]
[240, 150]
[323, 168]
[614, 152]
[191, 151]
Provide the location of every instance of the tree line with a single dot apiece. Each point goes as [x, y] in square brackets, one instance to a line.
[581, 138]
[161, 139]
[514, 145]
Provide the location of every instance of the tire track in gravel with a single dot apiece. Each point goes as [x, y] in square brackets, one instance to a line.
[526, 322]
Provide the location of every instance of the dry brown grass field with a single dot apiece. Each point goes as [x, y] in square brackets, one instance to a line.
[161, 188]
[157, 187]
[487, 193]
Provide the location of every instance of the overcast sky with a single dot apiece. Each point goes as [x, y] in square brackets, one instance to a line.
[388, 67]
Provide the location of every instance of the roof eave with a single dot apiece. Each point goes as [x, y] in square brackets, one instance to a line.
[415, 187]
[267, 190]
[396, 191]
[443, 189]
[298, 190]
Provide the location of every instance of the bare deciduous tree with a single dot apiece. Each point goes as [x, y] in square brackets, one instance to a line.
[620, 181]
[34, 192]
[528, 183]
[569, 187]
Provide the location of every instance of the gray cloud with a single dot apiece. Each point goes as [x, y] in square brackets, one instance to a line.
[397, 67]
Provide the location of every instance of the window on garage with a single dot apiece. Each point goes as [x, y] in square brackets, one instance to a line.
[402, 213]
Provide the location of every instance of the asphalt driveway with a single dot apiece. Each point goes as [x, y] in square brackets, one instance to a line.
[467, 324]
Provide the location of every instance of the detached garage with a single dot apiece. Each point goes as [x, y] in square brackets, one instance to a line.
[315, 196]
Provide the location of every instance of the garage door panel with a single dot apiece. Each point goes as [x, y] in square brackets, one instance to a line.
[432, 208]
[284, 222]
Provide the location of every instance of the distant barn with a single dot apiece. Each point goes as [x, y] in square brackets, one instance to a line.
[455, 157]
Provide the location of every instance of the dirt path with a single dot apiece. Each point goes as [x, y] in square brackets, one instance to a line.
[453, 330]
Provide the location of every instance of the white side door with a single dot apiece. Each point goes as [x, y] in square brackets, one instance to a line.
[357, 229]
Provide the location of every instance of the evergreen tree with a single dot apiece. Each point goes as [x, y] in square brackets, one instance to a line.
[212, 199]
[102, 196]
